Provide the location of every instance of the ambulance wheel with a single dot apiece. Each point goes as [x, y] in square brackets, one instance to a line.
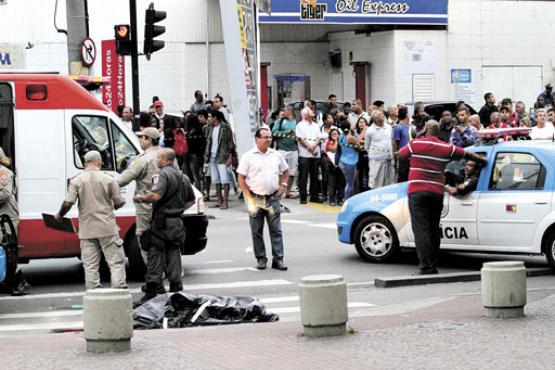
[376, 239]
[137, 268]
[549, 248]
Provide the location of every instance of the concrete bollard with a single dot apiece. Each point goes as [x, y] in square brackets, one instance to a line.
[108, 320]
[504, 289]
[323, 300]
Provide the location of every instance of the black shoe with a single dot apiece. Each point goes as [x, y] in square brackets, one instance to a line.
[316, 200]
[278, 265]
[261, 265]
[176, 287]
[159, 290]
[425, 272]
[303, 201]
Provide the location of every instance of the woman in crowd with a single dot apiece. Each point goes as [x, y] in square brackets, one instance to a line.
[336, 180]
[349, 158]
[329, 124]
[196, 144]
[362, 166]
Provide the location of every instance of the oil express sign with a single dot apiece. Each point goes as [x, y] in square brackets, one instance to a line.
[11, 56]
[358, 12]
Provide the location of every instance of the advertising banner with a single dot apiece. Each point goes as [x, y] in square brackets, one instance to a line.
[11, 56]
[425, 12]
[113, 67]
[239, 29]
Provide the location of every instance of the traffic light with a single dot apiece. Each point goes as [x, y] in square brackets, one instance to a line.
[124, 45]
[151, 31]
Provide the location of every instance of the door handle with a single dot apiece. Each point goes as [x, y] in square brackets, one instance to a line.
[540, 203]
[467, 203]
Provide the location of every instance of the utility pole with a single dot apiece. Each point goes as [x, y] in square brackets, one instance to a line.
[134, 62]
[77, 31]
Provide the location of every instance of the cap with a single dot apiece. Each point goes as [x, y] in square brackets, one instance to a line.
[158, 103]
[92, 156]
[549, 86]
[151, 132]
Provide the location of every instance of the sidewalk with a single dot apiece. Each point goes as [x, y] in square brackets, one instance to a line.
[447, 334]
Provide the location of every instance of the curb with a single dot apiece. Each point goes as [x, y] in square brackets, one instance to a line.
[455, 277]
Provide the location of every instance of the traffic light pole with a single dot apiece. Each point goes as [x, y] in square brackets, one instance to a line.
[135, 63]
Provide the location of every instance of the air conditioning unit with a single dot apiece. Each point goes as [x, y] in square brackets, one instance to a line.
[335, 58]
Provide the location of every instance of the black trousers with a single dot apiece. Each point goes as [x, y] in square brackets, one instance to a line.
[403, 170]
[308, 166]
[336, 183]
[425, 214]
[324, 168]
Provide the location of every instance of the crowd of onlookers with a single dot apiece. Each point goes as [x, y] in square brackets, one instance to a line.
[337, 150]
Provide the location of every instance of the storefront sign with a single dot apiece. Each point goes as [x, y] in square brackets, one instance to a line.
[11, 56]
[113, 67]
[357, 12]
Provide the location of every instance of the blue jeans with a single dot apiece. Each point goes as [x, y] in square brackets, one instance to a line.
[268, 208]
[350, 172]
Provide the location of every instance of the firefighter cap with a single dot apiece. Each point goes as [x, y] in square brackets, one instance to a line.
[151, 132]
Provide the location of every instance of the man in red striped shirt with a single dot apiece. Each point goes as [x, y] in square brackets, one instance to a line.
[428, 158]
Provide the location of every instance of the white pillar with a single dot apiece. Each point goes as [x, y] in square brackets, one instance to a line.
[108, 320]
[323, 301]
[504, 289]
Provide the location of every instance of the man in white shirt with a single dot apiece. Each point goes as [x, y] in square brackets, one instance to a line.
[127, 117]
[309, 138]
[377, 142]
[543, 130]
[263, 175]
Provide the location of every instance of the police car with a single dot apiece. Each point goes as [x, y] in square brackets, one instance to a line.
[510, 212]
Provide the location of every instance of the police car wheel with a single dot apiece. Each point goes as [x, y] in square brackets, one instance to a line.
[549, 249]
[375, 239]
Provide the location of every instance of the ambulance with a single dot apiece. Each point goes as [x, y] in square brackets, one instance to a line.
[510, 212]
[47, 124]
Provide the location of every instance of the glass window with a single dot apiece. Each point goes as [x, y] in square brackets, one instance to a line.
[454, 171]
[517, 171]
[125, 151]
[91, 133]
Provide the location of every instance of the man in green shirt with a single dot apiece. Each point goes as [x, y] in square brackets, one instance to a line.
[283, 134]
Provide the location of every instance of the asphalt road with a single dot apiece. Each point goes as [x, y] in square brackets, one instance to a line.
[227, 267]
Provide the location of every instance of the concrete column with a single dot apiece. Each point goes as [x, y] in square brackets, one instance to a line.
[323, 300]
[504, 289]
[108, 320]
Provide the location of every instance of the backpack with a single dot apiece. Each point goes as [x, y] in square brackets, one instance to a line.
[180, 145]
[275, 140]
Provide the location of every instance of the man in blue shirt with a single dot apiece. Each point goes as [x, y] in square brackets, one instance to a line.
[401, 137]
[464, 134]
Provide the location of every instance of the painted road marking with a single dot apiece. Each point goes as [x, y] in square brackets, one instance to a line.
[231, 285]
[63, 325]
[297, 309]
[324, 208]
[225, 270]
[300, 222]
[324, 226]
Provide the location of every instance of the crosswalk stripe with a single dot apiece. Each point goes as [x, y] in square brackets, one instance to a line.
[224, 270]
[295, 309]
[68, 313]
[42, 326]
[231, 285]
[324, 226]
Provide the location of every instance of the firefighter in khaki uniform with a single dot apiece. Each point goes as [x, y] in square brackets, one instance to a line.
[98, 196]
[142, 170]
[8, 204]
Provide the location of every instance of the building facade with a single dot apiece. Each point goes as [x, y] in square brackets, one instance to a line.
[498, 46]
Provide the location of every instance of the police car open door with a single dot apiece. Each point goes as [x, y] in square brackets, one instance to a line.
[458, 219]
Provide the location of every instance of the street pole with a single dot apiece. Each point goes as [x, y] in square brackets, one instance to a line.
[134, 63]
[77, 31]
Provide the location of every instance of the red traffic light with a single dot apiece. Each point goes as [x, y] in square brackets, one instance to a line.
[122, 32]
